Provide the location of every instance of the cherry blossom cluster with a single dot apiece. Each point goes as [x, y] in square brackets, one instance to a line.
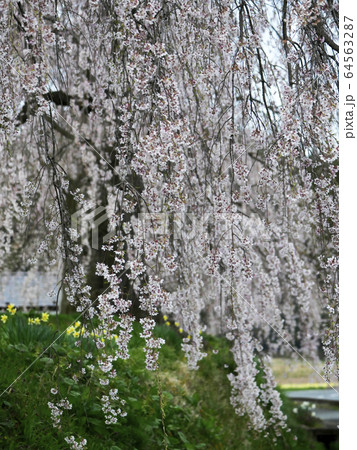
[73, 444]
[57, 411]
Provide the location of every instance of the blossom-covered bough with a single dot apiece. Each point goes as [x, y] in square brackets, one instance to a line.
[207, 129]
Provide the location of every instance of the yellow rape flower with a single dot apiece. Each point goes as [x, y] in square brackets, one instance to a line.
[4, 318]
[45, 317]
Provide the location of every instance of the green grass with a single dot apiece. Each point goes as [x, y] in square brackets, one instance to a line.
[196, 405]
[296, 373]
[309, 386]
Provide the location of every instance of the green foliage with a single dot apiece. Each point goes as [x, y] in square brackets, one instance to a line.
[24, 337]
[194, 405]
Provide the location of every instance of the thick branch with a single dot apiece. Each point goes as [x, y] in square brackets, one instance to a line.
[59, 98]
[320, 30]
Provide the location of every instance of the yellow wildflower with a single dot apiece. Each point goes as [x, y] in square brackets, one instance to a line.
[10, 307]
[180, 330]
[4, 318]
[45, 317]
[83, 330]
[165, 318]
[76, 334]
[30, 321]
[177, 324]
[77, 324]
[37, 321]
[189, 337]
[13, 311]
[70, 330]
[167, 323]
